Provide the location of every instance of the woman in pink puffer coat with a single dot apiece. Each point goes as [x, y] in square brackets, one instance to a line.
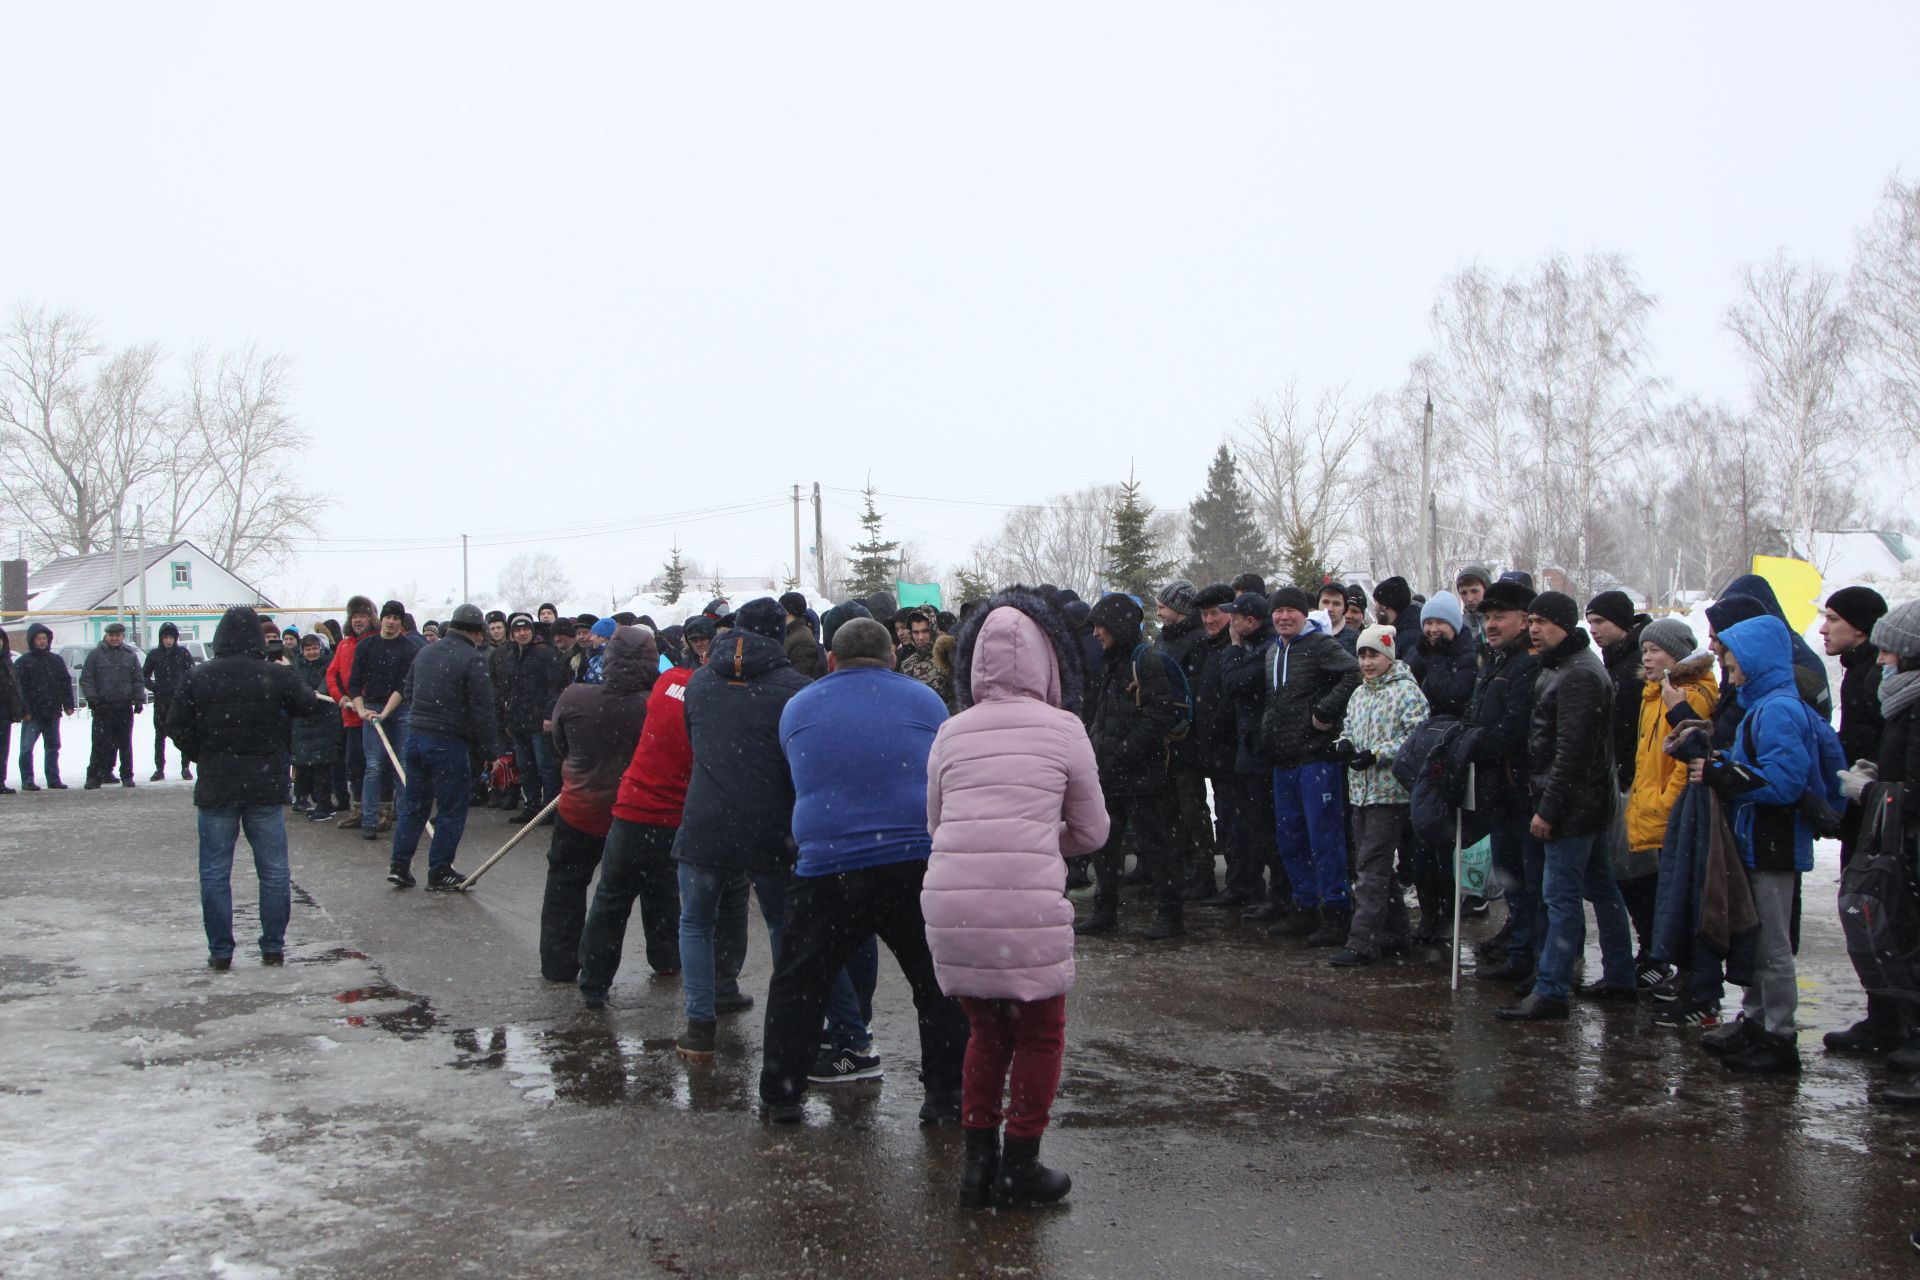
[1012, 792]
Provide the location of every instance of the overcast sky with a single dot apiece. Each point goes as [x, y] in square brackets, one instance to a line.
[587, 269]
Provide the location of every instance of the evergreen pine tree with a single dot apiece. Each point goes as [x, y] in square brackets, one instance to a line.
[1131, 563]
[1223, 537]
[675, 584]
[875, 560]
[968, 585]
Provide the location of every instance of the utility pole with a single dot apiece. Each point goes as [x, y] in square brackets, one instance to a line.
[1653, 558]
[140, 540]
[466, 596]
[119, 575]
[797, 571]
[1429, 535]
[819, 546]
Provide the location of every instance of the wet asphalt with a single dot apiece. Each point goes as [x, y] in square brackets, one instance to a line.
[408, 1097]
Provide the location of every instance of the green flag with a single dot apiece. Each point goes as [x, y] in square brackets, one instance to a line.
[911, 595]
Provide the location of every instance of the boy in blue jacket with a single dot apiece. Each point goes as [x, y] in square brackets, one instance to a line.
[1781, 767]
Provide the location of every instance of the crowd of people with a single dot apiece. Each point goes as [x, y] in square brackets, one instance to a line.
[943, 783]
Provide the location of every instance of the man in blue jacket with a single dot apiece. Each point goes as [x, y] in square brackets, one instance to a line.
[857, 742]
[1782, 763]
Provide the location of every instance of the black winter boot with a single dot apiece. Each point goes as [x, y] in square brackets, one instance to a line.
[1878, 1032]
[1023, 1180]
[1296, 922]
[1169, 921]
[1335, 923]
[982, 1167]
[1105, 918]
[1768, 1054]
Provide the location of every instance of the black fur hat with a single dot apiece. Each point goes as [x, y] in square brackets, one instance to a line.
[1066, 647]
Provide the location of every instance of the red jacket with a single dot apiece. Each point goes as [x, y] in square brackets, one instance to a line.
[654, 788]
[337, 672]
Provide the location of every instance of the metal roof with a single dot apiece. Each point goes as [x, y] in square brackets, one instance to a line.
[78, 583]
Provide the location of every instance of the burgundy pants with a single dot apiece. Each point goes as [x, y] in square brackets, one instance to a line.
[1015, 1050]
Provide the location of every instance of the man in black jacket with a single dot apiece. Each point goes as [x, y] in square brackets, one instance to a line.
[1133, 713]
[1183, 639]
[1501, 710]
[46, 693]
[231, 717]
[1616, 628]
[1394, 606]
[1849, 617]
[451, 697]
[1570, 758]
[736, 825]
[1309, 678]
[1253, 855]
[536, 677]
[110, 682]
[1212, 735]
[376, 685]
[164, 672]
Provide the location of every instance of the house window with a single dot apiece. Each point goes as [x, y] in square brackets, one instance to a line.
[183, 573]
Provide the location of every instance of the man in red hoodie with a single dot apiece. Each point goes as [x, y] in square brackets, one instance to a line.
[359, 624]
[638, 857]
[595, 730]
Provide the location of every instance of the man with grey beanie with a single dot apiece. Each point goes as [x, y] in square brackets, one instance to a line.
[1471, 586]
[1898, 763]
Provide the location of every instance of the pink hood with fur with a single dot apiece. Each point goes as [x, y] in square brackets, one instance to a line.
[1012, 791]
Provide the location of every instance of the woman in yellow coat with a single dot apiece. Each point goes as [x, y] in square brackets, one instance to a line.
[1680, 685]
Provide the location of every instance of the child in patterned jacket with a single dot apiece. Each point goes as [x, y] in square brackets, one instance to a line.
[1383, 713]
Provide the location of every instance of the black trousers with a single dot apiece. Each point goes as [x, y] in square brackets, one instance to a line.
[827, 919]
[1256, 850]
[314, 782]
[112, 739]
[636, 865]
[572, 859]
[1192, 827]
[159, 711]
[1146, 816]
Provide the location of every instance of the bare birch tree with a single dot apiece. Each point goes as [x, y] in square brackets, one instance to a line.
[1299, 460]
[1059, 541]
[1589, 390]
[1473, 375]
[1798, 337]
[1885, 288]
[244, 495]
[533, 577]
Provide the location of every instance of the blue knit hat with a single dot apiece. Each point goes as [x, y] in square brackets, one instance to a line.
[1445, 607]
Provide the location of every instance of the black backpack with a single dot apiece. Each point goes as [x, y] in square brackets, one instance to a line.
[1879, 910]
[1176, 679]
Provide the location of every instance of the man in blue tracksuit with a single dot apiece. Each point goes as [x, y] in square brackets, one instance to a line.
[1310, 677]
[1784, 755]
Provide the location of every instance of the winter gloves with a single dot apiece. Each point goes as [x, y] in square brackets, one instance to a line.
[1354, 759]
[1855, 781]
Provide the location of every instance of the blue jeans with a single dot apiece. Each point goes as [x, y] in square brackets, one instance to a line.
[437, 781]
[713, 948]
[379, 780]
[47, 733]
[1520, 885]
[266, 828]
[539, 769]
[1310, 823]
[1577, 871]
